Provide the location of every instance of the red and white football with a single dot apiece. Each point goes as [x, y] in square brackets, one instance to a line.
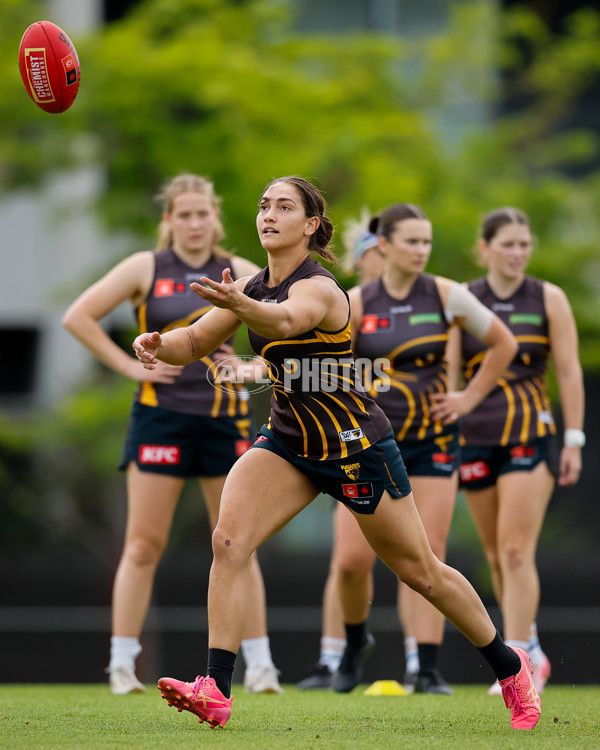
[49, 67]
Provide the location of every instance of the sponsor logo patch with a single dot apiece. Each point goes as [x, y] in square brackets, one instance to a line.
[473, 471]
[415, 320]
[347, 436]
[358, 491]
[164, 287]
[372, 323]
[261, 439]
[159, 454]
[37, 72]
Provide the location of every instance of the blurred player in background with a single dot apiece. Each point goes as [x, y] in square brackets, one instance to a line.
[363, 258]
[321, 420]
[506, 465]
[402, 320]
[183, 424]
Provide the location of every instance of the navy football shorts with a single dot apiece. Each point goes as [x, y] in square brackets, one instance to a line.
[184, 445]
[358, 481]
[481, 465]
[437, 456]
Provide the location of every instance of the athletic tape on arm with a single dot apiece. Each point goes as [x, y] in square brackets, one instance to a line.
[463, 304]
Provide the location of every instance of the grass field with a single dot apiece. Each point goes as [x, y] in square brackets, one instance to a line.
[88, 716]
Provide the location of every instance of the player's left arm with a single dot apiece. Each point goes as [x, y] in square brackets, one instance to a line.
[564, 344]
[463, 308]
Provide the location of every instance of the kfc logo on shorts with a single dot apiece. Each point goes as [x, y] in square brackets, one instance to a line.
[360, 490]
[168, 455]
[241, 446]
[474, 471]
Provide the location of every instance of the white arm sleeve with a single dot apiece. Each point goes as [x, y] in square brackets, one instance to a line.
[463, 304]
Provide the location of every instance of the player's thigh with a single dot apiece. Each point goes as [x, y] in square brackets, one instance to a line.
[262, 493]
[151, 502]
[396, 533]
[435, 498]
[523, 498]
[483, 507]
[212, 488]
[351, 551]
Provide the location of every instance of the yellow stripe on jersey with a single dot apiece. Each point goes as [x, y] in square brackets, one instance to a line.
[473, 362]
[188, 320]
[338, 427]
[319, 427]
[541, 427]
[400, 375]
[531, 339]
[416, 342]
[539, 381]
[232, 399]
[426, 421]
[148, 395]
[321, 337]
[510, 413]
[334, 338]
[526, 413]
[363, 441]
[412, 409]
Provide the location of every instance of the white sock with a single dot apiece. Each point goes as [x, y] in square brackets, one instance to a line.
[257, 652]
[533, 647]
[332, 650]
[123, 651]
[411, 654]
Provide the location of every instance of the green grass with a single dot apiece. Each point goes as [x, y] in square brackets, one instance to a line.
[88, 716]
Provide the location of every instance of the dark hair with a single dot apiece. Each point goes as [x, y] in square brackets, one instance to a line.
[385, 223]
[314, 205]
[498, 218]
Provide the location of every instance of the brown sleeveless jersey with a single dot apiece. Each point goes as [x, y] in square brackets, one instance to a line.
[317, 408]
[517, 409]
[172, 304]
[410, 336]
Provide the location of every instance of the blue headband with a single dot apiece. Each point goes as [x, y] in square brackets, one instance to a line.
[364, 242]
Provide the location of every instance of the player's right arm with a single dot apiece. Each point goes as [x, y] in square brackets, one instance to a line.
[129, 280]
[184, 345]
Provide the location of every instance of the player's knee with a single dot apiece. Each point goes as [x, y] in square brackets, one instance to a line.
[513, 557]
[228, 547]
[142, 552]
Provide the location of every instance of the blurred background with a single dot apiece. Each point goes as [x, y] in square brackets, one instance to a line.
[454, 105]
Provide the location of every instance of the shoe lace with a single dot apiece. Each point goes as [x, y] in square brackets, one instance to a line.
[199, 684]
[511, 697]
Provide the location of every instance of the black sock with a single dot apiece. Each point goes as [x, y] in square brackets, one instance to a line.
[428, 657]
[502, 659]
[356, 636]
[220, 668]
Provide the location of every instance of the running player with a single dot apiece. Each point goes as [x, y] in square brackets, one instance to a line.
[506, 465]
[321, 420]
[182, 424]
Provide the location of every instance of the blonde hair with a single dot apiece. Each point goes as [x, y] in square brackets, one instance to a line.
[188, 183]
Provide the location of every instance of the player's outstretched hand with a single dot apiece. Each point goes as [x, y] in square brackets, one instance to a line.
[223, 294]
[146, 347]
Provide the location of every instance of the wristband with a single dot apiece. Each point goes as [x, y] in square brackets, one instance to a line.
[574, 438]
